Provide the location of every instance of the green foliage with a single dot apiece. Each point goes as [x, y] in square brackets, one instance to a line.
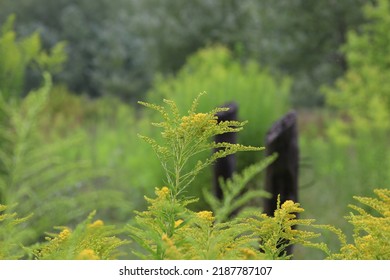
[179, 29]
[37, 175]
[363, 94]
[350, 148]
[118, 47]
[234, 193]
[105, 56]
[168, 228]
[18, 54]
[88, 241]
[108, 128]
[302, 39]
[339, 166]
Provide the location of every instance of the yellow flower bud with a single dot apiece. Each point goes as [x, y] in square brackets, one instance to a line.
[97, 223]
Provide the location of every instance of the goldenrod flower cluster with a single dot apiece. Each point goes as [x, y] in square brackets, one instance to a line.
[64, 234]
[197, 121]
[206, 215]
[87, 254]
[163, 192]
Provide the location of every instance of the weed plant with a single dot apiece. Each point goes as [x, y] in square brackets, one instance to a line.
[168, 229]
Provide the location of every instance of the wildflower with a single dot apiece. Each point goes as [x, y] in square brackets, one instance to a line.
[248, 253]
[197, 121]
[163, 192]
[206, 215]
[64, 234]
[87, 254]
[288, 204]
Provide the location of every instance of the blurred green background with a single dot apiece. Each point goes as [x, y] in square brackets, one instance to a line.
[77, 150]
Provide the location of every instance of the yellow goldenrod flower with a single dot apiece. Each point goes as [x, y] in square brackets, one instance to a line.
[288, 204]
[248, 253]
[197, 121]
[64, 234]
[206, 215]
[87, 254]
[163, 192]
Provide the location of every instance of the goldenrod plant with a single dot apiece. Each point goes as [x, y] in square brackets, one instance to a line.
[275, 234]
[10, 234]
[371, 237]
[168, 229]
[90, 240]
[185, 137]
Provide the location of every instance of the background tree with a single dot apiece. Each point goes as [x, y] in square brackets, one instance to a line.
[104, 57]
[117, 47]
[303, 39]
[363, 93]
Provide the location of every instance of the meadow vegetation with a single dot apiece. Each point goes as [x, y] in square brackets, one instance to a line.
[78, 182]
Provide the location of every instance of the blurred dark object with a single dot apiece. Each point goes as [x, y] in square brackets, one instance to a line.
[282, 174]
